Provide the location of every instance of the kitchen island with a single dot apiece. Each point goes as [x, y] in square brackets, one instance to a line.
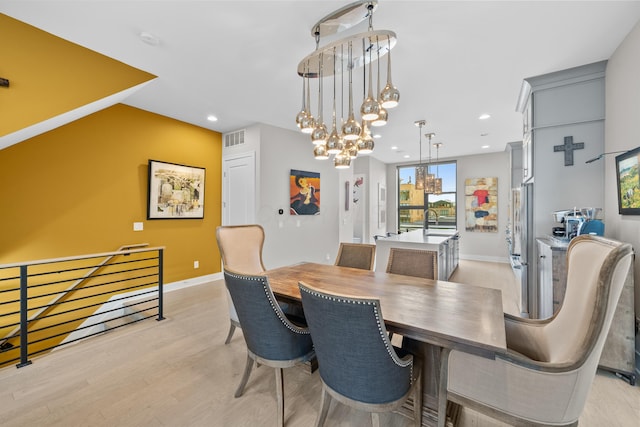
[444, 241]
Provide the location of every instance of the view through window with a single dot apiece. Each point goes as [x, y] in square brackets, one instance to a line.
[413, 203]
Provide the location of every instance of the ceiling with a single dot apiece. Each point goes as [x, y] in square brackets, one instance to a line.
[237, 60]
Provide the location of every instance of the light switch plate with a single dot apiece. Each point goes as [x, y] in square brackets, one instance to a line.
[138, 226]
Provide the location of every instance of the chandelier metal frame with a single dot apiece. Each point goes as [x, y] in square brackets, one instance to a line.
[342, 56]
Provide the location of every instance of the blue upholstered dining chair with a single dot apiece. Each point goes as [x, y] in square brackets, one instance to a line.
[358, 365]
[272, 340]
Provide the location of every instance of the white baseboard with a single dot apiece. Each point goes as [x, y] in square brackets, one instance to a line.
[484, 258]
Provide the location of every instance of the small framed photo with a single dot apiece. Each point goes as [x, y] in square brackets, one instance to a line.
[175, 191]
[628, 182]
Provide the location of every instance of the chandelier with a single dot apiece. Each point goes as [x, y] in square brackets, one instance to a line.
[341, 57]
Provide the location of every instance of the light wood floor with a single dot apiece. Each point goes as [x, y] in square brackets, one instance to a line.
[178, 372]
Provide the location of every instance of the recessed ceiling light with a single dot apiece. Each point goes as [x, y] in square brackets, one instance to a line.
[149, 38]
[406, 156]
[394, 148]
[484, 116]
[212, 118]
[485, 146]
[377, 135]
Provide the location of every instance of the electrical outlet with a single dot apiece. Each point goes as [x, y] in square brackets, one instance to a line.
[196, 264]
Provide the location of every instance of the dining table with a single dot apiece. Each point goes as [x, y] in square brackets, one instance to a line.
[432, 316]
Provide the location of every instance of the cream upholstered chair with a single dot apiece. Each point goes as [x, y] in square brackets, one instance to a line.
[272, 340]
[356, 255]
[241, 250]
[358, 365]
[413, 262]
[546, 375]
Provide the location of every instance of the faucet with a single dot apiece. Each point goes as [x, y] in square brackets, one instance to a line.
[425, 226]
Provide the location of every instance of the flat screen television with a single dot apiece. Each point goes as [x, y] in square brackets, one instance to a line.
[628, 179]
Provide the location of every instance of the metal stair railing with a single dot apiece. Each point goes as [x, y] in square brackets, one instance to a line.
[130, 274]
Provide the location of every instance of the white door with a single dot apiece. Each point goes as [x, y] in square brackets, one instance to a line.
[239, 189]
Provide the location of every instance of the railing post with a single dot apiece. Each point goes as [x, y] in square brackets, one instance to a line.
[24, 308]
[160, 281]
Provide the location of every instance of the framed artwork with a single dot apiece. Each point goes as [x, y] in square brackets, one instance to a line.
[628, 182]
[175, 191]
[481, 204]
[304, 190]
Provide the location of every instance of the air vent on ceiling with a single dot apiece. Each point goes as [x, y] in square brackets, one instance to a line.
[232, 139]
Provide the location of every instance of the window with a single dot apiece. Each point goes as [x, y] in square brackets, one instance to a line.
[412, 205]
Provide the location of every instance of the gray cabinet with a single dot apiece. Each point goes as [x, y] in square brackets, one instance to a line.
[552, 276]
[560, 109]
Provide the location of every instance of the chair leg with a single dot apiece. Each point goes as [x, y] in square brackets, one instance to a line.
[417, 401]
[245, 376]
[442, 387]
[375, 419]
[325, 402]
[280, 396]
[232, 329]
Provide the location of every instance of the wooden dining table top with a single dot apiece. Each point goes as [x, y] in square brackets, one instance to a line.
[448, 314]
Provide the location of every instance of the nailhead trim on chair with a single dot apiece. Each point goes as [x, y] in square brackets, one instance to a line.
[383, 335]
[277, 311]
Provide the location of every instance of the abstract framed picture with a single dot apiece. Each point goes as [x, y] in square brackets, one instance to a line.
[628, 182]
[481, 204]
[304, 190]
[175, 191]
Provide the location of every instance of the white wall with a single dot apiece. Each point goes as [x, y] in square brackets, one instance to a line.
[375, 173]
[621, 133]
[290, 238]
[485, 246]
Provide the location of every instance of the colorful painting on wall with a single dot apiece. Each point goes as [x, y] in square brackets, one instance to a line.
[305, 193]
[481, 204]
[175, 191]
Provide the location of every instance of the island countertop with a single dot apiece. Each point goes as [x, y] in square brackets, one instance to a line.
[434, 237]
[433, 240]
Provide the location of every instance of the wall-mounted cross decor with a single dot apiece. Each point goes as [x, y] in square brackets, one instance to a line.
[4, 82]
[568, 148]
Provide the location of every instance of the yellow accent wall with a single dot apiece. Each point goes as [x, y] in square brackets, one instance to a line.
[50, 76]
[79, 188]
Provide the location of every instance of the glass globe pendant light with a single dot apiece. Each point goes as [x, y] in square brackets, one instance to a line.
[307, 123]
[383, 116]
[365, 143]
[320, 152]
[350, 129]
[334, 141]
[370, 107]
[342, 160]
[351, 148]
[390, 95]
[303, 112]
[319, 134]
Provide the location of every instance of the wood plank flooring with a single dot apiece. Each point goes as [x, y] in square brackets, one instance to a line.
[178, 372]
